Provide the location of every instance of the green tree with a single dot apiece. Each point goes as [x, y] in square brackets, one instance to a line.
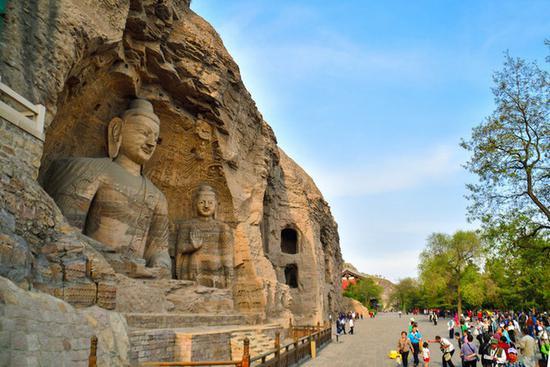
[403, 294]
[364, 291]
[511, 155]
[409, 294]
[446, 267]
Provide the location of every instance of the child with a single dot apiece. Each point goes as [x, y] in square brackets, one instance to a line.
[458, 339]
[426, 354]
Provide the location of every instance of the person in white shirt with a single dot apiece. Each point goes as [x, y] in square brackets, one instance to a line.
[451, 327]
[351, 324]
[447, 348]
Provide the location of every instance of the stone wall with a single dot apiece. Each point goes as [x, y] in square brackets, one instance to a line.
[38, 329]
[152, 345]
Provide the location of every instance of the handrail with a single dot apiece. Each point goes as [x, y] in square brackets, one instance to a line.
[193, 364]
[287, 346]
[292, 351]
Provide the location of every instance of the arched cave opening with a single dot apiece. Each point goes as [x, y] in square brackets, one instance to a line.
[291, 275]
[289, 241]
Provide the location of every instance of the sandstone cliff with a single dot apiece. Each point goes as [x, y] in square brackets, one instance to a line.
[84, 60]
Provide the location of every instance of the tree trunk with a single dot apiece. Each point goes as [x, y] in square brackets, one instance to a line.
[459, 301]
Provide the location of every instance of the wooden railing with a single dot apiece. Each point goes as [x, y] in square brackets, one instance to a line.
[286, 355]
[244, 362]
[295, 352]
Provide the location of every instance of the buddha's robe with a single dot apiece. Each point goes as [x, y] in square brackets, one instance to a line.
[126, 213]
[210, 263]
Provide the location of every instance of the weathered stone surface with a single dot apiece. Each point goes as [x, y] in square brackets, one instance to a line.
[350, 304]
[85, 60]
[37, 327]
[163, 295]
[211, 134]
[301, 241]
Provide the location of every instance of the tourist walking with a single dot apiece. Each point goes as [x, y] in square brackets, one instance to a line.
[468, 352]
[351, 325]
[451, 328]
[404, 346]
[416, 338]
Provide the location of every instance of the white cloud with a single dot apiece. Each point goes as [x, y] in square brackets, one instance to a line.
[392, 174]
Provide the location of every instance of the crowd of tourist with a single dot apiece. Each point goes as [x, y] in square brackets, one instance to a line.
[488, 339]
[345, 323]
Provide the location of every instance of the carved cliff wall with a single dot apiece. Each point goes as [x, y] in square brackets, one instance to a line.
[84, 60]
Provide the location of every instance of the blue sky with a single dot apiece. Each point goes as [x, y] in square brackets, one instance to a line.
[372, 98]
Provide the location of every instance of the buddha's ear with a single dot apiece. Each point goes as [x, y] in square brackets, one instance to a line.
[114, 136]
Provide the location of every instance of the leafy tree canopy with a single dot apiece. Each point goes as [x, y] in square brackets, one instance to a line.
[511, 153]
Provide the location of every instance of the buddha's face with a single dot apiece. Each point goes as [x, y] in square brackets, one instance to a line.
[206, 204]
[139, 138]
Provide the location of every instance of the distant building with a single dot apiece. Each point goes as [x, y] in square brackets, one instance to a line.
[350, 277]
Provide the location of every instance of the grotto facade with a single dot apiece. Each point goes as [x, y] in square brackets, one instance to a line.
[231, 231]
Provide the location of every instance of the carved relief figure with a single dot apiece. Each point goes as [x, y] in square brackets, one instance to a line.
[204, 245]
[111, 201]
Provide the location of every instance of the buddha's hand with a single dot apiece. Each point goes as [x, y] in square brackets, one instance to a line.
[196, 238]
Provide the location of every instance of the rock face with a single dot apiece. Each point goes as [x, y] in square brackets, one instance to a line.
[85, 60]
[38, 329]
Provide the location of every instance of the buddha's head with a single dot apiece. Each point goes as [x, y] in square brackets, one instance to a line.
[205, 201]
[135, 133]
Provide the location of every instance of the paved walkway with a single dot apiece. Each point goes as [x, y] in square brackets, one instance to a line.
[373, 340]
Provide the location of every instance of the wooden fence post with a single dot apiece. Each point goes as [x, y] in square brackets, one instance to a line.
[278, 349]
[246, 353]
[92, 360]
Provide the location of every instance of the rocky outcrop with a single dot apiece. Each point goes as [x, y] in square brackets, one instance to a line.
[84, 60]
[350, 304]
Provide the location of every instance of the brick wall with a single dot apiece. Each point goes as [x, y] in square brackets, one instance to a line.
[20, 146]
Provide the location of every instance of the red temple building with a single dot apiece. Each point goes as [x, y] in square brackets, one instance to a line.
[350, 277]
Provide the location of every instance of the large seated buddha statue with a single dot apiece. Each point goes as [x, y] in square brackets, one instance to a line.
[111, 201]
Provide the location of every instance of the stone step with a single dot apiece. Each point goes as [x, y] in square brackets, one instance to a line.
[260, 342]
[181, 320]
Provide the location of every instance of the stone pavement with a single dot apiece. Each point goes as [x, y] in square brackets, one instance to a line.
[373, 340]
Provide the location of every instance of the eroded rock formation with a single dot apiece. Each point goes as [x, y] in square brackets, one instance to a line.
[85, 61]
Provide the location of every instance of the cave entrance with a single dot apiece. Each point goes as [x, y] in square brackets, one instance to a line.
[291, 275]
[289, 241]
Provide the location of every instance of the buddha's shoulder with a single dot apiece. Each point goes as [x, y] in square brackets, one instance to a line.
[86, 162]
[81, 166]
